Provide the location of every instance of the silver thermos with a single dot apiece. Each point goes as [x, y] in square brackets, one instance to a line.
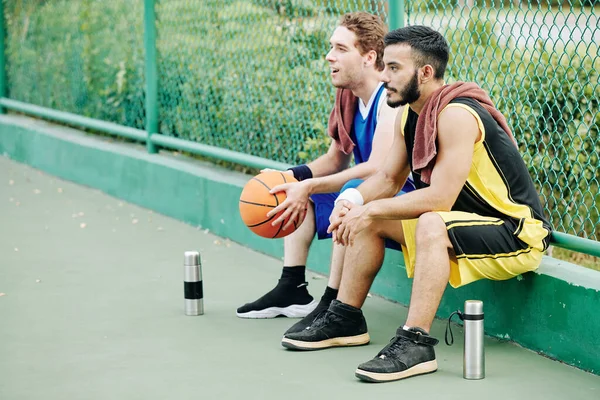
[192, 283]
[474, 355]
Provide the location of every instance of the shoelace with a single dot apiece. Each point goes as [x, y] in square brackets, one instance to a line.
[396, 343]
[323, 320]
[317, 316]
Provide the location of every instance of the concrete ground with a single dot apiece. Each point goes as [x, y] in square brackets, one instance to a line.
[91, 307]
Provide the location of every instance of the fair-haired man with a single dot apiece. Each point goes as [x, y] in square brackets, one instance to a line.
[474, 215]
[355, 61]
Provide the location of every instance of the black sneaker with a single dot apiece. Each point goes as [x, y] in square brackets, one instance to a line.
[341, 325]
[286, 299]
[308, 320]
[409, 353]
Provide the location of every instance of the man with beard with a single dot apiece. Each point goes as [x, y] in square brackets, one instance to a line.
[355, 61]
[474, 215]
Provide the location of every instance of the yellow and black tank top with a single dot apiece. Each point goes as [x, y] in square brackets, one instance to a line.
[498, 184]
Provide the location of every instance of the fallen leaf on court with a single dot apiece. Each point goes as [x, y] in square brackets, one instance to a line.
[80, 214]
[38, 280]
[11, 199]
[59, 190]
[82, 225]
[134, 221]
[18, 203]
[2, 294]
[217, 242]
[120, 204]
[37, 191]
[206, 231]
[16, 249]
[160, 228]
[11, 182]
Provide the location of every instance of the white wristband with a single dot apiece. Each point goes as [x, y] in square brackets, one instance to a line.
[352, 195]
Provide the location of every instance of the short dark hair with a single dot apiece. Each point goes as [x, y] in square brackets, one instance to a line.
[429, 46]
[369, 30]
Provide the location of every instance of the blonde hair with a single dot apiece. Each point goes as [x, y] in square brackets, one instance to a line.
[369, 30]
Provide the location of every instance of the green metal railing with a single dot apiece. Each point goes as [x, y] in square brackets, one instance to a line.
[245, 81]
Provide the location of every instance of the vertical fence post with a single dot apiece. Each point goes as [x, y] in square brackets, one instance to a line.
[395, 14]
[151, 73]
[2, 56]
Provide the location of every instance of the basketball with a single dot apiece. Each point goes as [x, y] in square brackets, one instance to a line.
[256, 202]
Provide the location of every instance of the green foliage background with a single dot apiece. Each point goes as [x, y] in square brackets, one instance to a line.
[250, 75]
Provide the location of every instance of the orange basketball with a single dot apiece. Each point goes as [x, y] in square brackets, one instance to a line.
[256, 202]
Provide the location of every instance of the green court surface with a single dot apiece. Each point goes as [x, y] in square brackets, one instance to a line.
[91, 307]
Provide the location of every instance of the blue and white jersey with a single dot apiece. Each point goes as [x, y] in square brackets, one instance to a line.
[363, 129]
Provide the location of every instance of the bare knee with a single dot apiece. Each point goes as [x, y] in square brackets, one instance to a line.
[431, 229]
[303, 236]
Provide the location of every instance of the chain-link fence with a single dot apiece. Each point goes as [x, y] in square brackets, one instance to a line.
[251, 75]
[540, 64]
[80, 56]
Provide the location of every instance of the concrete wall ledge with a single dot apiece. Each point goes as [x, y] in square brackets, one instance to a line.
[553, 311]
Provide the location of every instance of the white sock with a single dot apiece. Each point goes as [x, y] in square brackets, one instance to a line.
[406, 327]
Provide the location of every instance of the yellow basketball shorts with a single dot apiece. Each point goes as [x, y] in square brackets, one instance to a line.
[484, 247]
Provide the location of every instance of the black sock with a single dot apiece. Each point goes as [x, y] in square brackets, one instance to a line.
[294, 274]
[329, 295]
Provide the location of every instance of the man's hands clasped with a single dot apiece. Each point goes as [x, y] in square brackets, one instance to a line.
[346, 221]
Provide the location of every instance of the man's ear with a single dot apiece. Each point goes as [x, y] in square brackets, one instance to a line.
[426, 74]
[370, 58]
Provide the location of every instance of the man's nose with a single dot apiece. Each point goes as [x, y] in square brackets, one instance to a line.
[383, 77]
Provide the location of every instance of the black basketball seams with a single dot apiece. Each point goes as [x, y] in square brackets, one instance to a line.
[267, 205]
[257, 204]
[268, 188]
[260, 223]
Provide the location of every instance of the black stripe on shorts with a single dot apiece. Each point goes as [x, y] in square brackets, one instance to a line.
[482, 240]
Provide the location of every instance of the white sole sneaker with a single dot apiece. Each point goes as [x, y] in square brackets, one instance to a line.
[358, 340]
[419, 369]
[293, 311]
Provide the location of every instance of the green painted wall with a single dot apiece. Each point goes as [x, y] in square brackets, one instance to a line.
[553, 311]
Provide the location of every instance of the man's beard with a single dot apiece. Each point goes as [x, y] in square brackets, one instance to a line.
[410, 94]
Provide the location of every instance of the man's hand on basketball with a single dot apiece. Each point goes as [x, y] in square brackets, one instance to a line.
[294, 205]
[346, 221]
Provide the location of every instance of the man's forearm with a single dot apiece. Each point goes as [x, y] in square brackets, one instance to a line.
[335, 182]
[326, 165]
[381, 186]
[408, 206]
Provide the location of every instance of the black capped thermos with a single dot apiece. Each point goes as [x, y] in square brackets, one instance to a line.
[473, 350]
[192, 283]
[474, 355]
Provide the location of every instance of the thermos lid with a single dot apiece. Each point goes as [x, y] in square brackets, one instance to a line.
[473, 307]
[191, 258]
